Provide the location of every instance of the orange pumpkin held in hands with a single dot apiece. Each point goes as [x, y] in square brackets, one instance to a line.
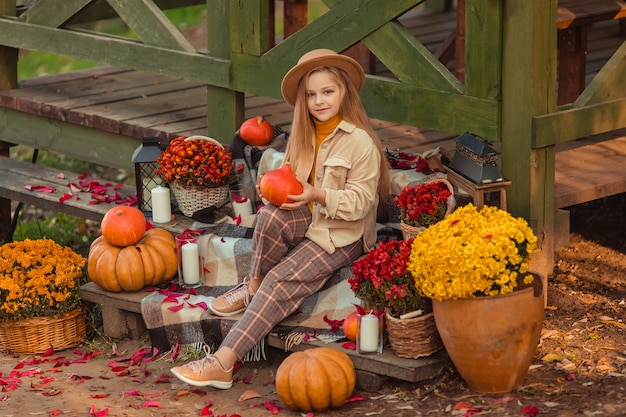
[123, 226]
[256, 131]
[277, 184]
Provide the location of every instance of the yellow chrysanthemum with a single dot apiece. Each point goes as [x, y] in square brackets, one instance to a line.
[471, 253]
[38, 278]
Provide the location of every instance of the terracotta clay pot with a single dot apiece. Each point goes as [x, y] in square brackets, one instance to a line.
[492, 340]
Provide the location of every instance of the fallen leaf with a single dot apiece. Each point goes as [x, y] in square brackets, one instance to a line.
[249, 394]
[551, 357]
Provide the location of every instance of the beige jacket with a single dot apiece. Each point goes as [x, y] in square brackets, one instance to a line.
[348, 170]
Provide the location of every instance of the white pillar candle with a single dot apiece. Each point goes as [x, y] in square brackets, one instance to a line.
[148, 185]
[368, 336]
[242, 208]
[161, 205]
[191, 263]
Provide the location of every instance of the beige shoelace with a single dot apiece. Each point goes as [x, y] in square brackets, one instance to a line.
[240, 292]
[200, 364]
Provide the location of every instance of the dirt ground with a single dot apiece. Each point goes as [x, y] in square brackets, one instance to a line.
[579, 368]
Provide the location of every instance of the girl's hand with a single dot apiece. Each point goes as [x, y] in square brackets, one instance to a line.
[308, 195]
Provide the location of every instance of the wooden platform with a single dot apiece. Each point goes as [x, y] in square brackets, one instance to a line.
[122, 318]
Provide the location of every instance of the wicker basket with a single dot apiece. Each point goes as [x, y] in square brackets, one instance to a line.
[38, 334]
[413, 338]
[409, 231]
[192, 199]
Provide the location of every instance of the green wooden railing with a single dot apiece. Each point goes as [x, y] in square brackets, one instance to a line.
[508, 94]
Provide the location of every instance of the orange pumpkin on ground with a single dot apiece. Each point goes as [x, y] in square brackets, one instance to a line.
[315, 379]
[151, 261]
[277, 184]
[123, 225]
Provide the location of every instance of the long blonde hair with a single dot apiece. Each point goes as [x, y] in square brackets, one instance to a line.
[352, 111]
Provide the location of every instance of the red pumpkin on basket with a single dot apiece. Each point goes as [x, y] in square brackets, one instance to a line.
[277, 184]
[256, 131]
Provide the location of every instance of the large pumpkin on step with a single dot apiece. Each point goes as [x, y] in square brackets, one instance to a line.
[151, 261]
[123, 225]
[315, 379]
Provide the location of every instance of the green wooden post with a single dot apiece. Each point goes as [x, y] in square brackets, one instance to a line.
[8, 80]
[225, 107]
[529, 89]
[439, 5]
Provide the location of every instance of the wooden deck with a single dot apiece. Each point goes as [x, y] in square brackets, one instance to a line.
[135, 104]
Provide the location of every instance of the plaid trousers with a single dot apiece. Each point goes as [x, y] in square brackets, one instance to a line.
[292, 268]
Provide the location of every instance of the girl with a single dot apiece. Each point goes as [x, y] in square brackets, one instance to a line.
[298, 246]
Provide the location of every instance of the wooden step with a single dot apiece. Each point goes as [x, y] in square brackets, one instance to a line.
[121, 313]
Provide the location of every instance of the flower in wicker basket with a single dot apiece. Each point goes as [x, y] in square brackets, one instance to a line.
[199, 170]
[424, 204]
[381, 280]
[39, 284]
[198, 161]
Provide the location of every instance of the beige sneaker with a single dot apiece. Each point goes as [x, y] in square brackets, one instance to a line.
[205, 372]
[232, 301]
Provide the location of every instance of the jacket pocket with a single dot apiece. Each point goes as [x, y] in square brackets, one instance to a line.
[335, 173]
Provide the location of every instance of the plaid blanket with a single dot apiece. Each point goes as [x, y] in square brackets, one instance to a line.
[226, 249]
[186, 320]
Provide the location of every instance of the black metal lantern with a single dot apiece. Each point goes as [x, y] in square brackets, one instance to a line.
[476, 160]
[144, 158]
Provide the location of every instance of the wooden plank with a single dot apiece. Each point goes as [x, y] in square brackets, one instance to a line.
[197, 67]
[584, 12]
[16, 175]
[574, 123]
[121, 312]
[590, 169]
[151, 25]
[53, 15]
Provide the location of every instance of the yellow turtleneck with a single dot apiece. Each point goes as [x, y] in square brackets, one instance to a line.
[322, 130]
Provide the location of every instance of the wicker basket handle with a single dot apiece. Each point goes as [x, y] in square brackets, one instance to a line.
[205, 138]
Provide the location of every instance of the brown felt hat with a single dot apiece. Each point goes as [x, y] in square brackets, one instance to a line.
[320, 58]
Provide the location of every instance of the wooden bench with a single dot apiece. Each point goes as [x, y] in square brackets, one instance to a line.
[122, 318]
[55, 190]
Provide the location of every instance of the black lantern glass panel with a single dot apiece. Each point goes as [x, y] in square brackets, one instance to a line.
[144, 158]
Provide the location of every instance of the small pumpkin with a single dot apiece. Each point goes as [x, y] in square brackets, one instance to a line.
[315, 379]
[277, 184]
[150, 262]
[256, 131]
[349, 326]
[123, 225]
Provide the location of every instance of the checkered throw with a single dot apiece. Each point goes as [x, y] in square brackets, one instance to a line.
[226, 249]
